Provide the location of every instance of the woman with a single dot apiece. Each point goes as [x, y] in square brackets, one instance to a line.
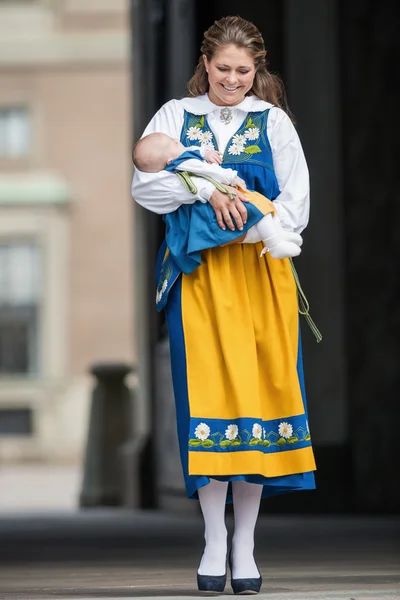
[233, 322]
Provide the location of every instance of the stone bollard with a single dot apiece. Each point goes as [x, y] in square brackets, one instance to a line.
[110, 427]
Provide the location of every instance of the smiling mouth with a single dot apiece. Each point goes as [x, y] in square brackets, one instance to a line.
[230, 89]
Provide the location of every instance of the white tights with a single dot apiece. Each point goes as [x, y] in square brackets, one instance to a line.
[246, 504]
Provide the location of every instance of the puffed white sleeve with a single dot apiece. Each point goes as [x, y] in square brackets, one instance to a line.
[163, 192]
[293, 202]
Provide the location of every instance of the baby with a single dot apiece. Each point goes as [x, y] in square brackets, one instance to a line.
[154, 152]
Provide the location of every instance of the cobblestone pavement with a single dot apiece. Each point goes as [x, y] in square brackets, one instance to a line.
[121, 554]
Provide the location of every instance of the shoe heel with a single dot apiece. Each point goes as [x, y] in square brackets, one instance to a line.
[211, 583]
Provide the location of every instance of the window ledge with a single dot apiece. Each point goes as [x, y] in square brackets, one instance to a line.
[33, 189]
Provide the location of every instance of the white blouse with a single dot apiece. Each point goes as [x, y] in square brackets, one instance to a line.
[163, 192]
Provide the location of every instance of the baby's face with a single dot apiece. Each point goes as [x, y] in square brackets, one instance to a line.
[175, 149]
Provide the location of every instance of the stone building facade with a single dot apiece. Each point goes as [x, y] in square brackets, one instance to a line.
[66, 280]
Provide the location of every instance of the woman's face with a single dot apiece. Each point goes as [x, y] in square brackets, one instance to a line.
[231, 74]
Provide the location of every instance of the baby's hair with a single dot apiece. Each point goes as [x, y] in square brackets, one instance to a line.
[137, 159]
[145, 151]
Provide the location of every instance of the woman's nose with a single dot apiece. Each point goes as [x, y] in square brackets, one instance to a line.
[231, 79]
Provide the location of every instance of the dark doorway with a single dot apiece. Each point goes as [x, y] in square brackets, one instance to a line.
[338, 63]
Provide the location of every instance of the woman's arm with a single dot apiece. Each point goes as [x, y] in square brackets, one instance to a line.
[163, 192]
[293, 202]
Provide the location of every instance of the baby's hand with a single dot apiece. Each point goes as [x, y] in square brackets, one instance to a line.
[213, 156]
[239, 182]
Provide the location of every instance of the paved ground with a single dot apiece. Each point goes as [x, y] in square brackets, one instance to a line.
[110, 555]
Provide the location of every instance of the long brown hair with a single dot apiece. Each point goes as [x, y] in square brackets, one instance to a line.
[242, 34]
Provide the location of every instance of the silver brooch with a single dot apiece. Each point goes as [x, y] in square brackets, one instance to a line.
[226, 115]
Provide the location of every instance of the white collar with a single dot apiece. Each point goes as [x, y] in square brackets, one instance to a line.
[202, 105]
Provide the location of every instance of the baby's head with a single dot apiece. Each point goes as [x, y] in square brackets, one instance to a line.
[154, 151]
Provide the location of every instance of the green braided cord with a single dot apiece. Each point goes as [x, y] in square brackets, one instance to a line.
[304, 307]
[218, 185]
[186, 179]
[187, 182]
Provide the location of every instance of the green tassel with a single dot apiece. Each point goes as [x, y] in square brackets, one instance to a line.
[304, 307]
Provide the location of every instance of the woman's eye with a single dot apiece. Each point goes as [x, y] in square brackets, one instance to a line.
[241, 72]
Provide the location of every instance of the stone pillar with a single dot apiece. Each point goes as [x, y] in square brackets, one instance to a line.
[370, 53]
[180, 47]
[313, 82]
[147, 19]
[169, 485]
[109, 428]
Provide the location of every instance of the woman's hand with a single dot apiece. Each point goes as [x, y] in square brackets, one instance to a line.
[239, 182]
[226, 209]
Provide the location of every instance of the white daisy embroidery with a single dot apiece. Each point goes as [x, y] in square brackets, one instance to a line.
[252, 134]
[164, 285]
[285, 429]
[257, 431]
[231, 432]
[202, 431]
[240, 139]
[205, 137]
[194, 133]
[235, 149]
[158, 297]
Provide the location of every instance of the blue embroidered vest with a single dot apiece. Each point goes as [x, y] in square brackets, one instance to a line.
[248, 151]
